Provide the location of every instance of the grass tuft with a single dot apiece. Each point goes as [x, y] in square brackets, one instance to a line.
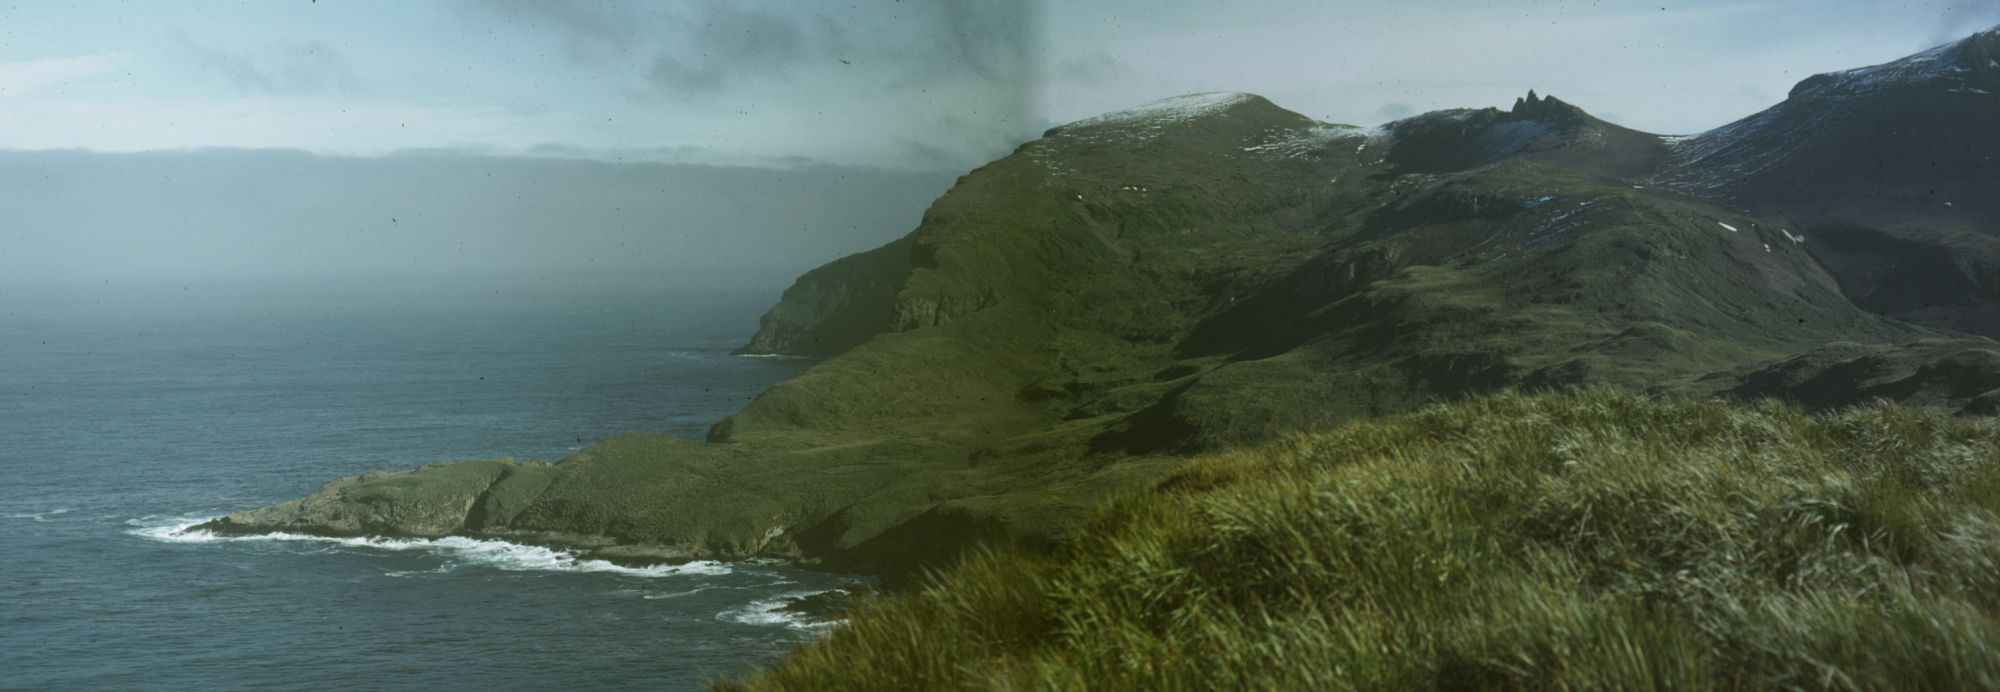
[1598, 539]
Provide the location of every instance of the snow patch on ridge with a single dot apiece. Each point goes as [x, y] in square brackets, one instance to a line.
[1304, 142]
[1143, 124]
[1168, 111]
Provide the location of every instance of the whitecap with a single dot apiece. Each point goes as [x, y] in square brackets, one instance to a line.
[441, 569]
[771, 612]
[512, 557]
[772, 356]
[689, 592]
[42, 517]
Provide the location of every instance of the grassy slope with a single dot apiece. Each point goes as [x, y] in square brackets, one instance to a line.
[1597, 540]
[1077, 317]
[1026, 279]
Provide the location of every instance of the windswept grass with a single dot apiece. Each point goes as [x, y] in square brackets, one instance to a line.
[1595, 540]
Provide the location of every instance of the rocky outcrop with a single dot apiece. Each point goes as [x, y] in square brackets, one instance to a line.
[917, 312]
[1458, 140]
[433, 501]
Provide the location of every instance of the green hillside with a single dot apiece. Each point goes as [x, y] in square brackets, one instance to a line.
[1593, 540]
[1197, 274]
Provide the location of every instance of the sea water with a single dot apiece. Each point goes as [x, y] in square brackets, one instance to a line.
[129, 413]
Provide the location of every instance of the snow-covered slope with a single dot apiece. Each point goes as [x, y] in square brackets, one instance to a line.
[1167, 111]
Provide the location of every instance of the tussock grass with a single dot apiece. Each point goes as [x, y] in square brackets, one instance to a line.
[1590, 540]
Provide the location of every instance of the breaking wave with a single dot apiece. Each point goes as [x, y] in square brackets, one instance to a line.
[487, 552]
[771, 611]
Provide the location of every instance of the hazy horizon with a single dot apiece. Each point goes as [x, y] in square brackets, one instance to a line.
[745, 142]
[914, 86]
[88, 218]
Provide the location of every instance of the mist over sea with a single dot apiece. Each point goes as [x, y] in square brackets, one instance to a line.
[130, 411]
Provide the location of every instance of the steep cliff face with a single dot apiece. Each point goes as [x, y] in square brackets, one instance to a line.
[835, 307]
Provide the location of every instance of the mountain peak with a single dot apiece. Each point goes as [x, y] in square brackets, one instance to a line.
[1207, 119]
[1982, 49]
[1546, 108]
[1969, 63]
[1172, 110]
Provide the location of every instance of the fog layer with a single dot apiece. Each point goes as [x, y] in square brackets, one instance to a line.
[70, 217]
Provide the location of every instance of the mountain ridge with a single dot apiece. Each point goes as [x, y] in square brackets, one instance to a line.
[1889, 168]
[1209, 272]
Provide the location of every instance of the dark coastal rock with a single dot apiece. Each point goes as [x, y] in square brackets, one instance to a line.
[823, 607]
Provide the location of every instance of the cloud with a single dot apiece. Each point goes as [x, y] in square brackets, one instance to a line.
[313, 123]
[1091, 70]
[588, 31]
[732, 43]
[920, 155]
[1960, 19]
[27, 76]
[909, 82]
[993, 41]
[678, 155]
[1396, 111]
[710, 49]
[1755, 96]
[293, 67]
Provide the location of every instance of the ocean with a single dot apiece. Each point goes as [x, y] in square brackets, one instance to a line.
[131, 412]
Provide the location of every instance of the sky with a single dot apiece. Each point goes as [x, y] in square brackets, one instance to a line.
[886, 83]
[749, 139]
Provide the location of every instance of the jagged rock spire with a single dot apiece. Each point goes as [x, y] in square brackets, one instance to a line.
[1537, 107]
[1529, 105]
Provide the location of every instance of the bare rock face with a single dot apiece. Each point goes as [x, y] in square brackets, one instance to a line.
[917, 312]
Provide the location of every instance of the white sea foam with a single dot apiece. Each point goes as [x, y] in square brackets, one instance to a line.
[441, 569]
[503, 555]
[771, 611]
[682, 594]
[43, 517]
